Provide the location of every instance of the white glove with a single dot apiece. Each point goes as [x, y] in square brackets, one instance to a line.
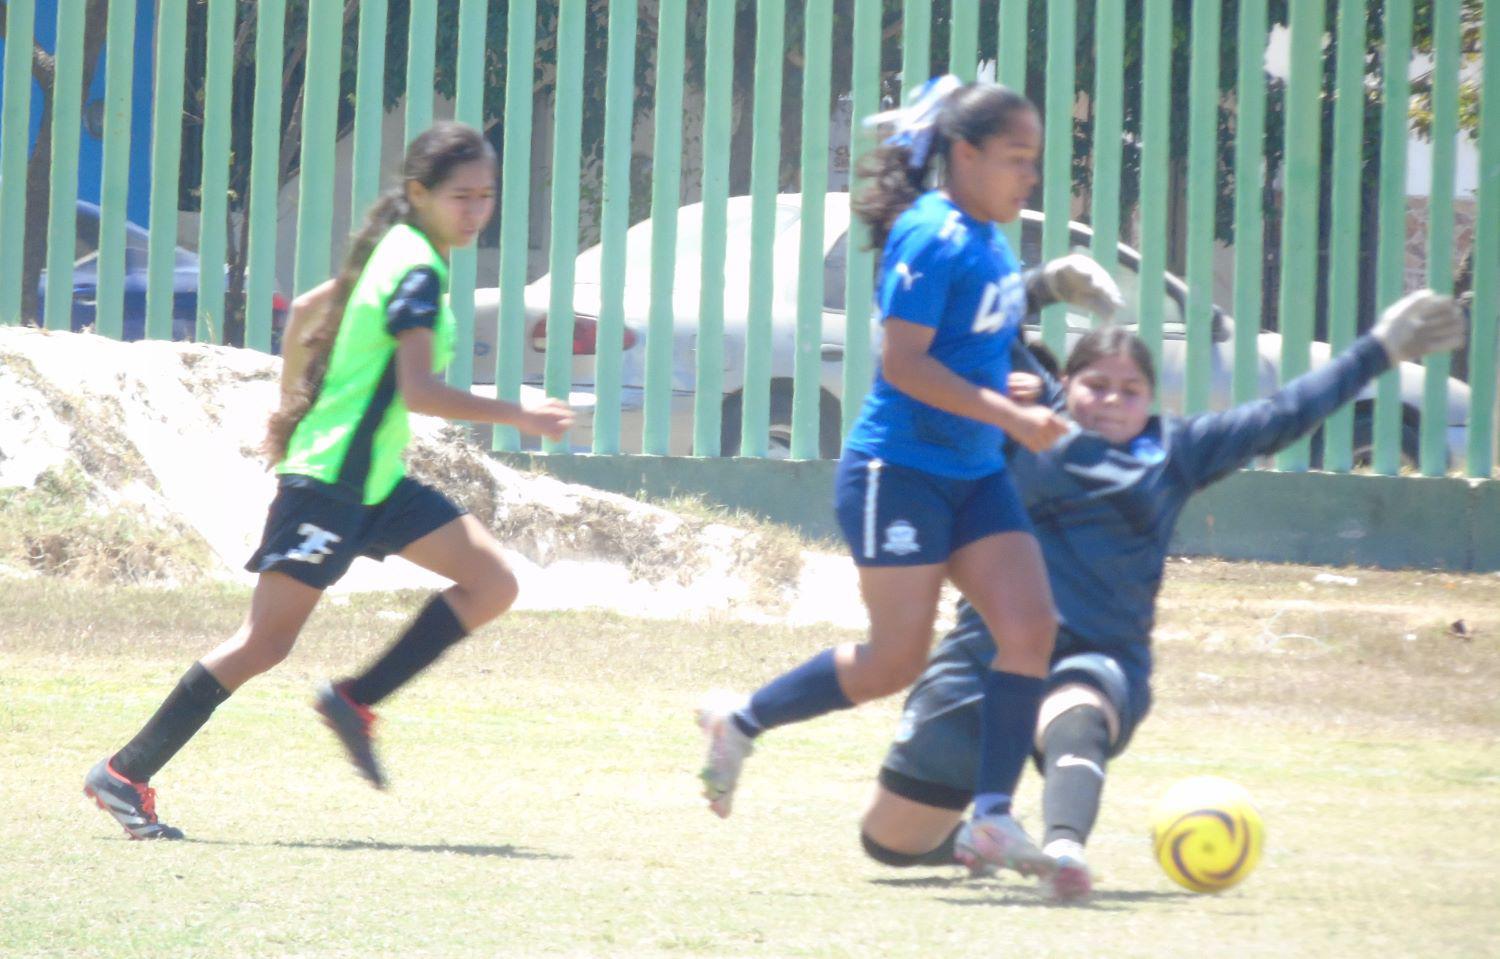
[1078, 280]
[1420, 323]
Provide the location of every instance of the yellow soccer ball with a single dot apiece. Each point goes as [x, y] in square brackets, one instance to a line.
[1206, 833]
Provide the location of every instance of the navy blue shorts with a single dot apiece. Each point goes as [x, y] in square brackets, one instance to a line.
[898, 516]
[314, 536]
[934, 758]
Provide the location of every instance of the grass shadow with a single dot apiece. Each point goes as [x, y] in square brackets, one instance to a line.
[997, 894]
[923, 882]
[460, 849]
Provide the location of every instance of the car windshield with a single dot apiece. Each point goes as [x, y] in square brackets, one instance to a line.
[137, 247]
[588, 266]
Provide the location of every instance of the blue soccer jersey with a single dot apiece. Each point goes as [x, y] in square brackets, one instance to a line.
[943, 269]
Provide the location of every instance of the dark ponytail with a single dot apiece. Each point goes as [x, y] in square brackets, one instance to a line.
[430, 159]
[973, 113]
[1105, 341]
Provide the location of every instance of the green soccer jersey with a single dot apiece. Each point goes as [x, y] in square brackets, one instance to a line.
[354, 435]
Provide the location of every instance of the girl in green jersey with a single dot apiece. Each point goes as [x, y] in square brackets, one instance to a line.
[363, 350]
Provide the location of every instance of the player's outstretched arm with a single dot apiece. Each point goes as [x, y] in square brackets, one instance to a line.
[1075, 279]
[425, 393]
[1213, 445]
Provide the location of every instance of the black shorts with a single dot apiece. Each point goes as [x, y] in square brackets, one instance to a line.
[934, 759]
[313, 536]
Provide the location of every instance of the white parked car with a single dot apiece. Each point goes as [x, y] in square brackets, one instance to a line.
[737, 281]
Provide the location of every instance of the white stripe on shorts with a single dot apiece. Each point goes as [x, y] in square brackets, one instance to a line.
[872, 495]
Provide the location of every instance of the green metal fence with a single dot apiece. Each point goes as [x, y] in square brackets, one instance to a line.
[740, 324]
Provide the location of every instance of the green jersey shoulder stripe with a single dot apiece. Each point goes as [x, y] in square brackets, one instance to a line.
[354, 436]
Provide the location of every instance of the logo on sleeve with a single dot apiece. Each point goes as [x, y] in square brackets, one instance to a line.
[954, 229]
[900, 539]
[908, 278]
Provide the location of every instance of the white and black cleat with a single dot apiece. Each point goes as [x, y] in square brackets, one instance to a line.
[132, 804]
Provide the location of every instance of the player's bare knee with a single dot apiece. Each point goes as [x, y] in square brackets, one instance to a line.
[1033, 635]
[895, 670]
[263, 649]
[487, 592]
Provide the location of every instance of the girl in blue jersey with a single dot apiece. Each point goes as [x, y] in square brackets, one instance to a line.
[1104, 503]
[922, 491]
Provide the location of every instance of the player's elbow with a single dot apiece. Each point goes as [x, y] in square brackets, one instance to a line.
[422, 394]
[898, 369]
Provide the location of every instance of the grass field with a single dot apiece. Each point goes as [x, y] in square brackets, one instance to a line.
[544, 799]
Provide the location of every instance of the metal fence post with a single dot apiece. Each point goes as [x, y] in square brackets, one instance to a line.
[114, 177]
[718, 103]
[1299, 220]
[1345, 213]
[265, 160]
[515, 210]
[1445, 30]
[614, 221]
[213, 205]
[666, 186]
[567, 140]
[62, 212]
[1203, 195]
[1391, 259]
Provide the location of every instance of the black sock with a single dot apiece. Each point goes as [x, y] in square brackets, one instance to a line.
[429, 635]
[1076, 748]
[941, 856]
[180, 716]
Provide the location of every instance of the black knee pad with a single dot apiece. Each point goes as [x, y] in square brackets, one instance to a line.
[941, 856]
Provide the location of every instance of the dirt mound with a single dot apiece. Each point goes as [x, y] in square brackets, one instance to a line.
[136, 462]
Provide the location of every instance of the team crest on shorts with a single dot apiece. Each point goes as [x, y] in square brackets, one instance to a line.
[900, 538]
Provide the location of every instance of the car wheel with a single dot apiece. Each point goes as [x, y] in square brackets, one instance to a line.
[779, 439]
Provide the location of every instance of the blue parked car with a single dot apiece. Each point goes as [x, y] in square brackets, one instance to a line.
[184, 283]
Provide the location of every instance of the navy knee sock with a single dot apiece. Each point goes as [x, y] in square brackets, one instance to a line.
[1008, 721]
[808, 691]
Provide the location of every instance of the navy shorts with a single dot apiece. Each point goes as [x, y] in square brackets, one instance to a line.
[313, 536]
[898, 516]
[934, 758]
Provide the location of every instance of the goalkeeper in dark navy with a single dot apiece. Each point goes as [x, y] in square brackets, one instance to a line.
[1103, 503]
[363, 350]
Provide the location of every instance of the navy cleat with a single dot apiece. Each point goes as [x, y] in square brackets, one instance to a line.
[132, 804]
[352, 723]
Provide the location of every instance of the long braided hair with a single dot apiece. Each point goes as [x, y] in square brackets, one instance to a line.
[430, 159]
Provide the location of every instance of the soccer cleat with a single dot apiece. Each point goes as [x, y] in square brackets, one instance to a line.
[132, 804]
[1071, 880]
[997, 840]
[352, 723]
[727, 749]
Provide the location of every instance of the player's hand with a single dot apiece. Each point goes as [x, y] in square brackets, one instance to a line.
[1420, 323]
[1078, 280]
[550, 418]
[1037, 428]
[1024, 388]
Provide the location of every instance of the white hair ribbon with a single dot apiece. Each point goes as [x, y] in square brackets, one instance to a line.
[915, 124]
